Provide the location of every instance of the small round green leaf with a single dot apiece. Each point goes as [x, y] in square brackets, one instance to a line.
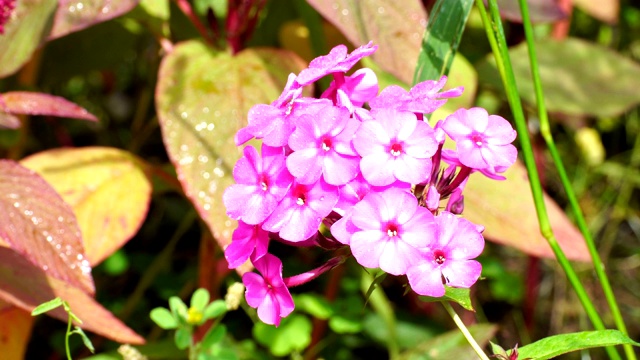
[178, 309]
[213, 337]
[163, 318]
[293, 334]
[215, 309]
[182, 338]
[200, 299]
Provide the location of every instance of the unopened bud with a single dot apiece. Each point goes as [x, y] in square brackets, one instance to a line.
[128, 352]
[433, 198]
[234, 296]
[456, 202]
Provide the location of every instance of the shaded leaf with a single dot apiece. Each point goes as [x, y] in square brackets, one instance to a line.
[603, 10]
[38, 224]
[457, 295]
[26, 286]
[506, 210]
[24, 31]
[182, 338]
[451, 345]
[85, 339]
[47, 306]
[74, 15]
[540, 11]
[15, 331]
[314, 305]
[293, 334]
[578, 77]
[441, 39]
[107, 189]
[32, 103]
[213, 336]
[395, 26]
[556, 345]
[202, 99]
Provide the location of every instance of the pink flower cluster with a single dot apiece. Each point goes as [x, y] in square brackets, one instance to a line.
[371, 175]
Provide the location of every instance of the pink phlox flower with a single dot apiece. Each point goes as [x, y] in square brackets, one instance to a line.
[358, 88]
[396, 146]
[246, 240]
[483, 141]
[268, 293]
[261, 184]
[387, 229]
[336, 61]
[292, 91]
[321, 145]
[452, 244]
[423, 98]
[451, 157]
[274, 124]
[6, 9]
[300, 212]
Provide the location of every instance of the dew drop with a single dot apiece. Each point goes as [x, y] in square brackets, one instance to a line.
[345, 12]
[184, 115]
[380, 10]
[207, 207]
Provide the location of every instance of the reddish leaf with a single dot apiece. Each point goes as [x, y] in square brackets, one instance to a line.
[540, 11]
[15, 330]
[9, 121]
[506, 210]
[106, 187]
[74, 15]
[27, 286]
[38, 224]
[202, 99]
[603, 10]
[31, 103]
[396, 27]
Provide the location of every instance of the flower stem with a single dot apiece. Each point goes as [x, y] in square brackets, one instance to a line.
[545, 130]
[456, 319]
[66, 338]
[498, 43]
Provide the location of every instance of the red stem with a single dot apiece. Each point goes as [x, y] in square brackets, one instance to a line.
[186, 9]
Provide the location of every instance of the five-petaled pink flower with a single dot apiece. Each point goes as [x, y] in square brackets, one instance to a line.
[268, 293]
[337, 61]
[423, 98]
[247, 240]
[395, 146]
[452, 243]
[483, 141]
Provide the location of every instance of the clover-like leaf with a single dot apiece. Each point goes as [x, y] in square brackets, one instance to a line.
[163, 318]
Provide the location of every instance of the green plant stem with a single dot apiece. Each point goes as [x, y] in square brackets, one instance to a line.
[66, 338]
[545, 130]
[464, 330]
[382, 306]
[500, 50]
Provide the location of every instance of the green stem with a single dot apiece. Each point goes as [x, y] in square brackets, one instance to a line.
[500, 50]
[382, 306]
[545, 130]
[66, 339]
[464, 330]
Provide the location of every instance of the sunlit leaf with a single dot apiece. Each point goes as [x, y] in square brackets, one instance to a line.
[74, 15]
[15, 330]
[47, 306]
[451, 345]
[578, 77]
[27, 286]
[182, 338]
[163, 318]
[214, 309]
[24, 31]
[32, 103]
[441, 39]
[603, 10]
[107, 189]
[556, 345]
[37, 223]
[540, 11]
[457, 295]
[395, 26]
[202, 99]
[506, 210]
[293, 334]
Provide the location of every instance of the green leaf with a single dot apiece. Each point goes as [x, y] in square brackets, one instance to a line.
[215, 309]
[395, 26]
[440, 43]
[23, 33]
[374, 284]
[107, 188]
[163, 318]
[178, 309]
[183, 338]
[578, 77]
[345, 325]
[556, 345]
[85, 339]
[293, 334]
[213, 336]
[457, 295]
[314, 305]
[451, 345]
[45, 307]
[202, 99]
[200, 299]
